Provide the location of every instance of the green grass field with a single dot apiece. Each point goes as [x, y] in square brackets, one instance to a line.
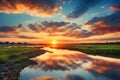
[13, 53]
[16, 57]
[108, 50]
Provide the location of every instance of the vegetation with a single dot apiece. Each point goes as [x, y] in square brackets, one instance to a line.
[108, 50]
[14, 57]
[12, 54]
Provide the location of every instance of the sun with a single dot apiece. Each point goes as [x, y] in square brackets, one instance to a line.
[54, 42]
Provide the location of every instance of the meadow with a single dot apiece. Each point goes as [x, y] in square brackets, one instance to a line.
[14, 57]
[107, 50]
[14, 54]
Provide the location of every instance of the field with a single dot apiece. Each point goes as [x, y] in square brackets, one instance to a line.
[14, 54]
[108, 50]
[13, 58]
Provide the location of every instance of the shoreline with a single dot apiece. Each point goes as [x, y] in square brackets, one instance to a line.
[11, 71]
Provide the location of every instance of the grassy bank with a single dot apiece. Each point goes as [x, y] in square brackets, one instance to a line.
[13, 54]
[14, 58]
[108, 50]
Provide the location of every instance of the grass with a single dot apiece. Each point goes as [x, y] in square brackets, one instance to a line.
[16, 57]
[14, 54]
[108, 50]
[19, 54]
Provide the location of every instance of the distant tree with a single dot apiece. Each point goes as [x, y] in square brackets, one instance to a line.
[19, 43]
[12, 43]
[1, 43]
[25, 43]
[7, 42]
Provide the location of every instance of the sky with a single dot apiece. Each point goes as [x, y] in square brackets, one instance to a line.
[66, 21]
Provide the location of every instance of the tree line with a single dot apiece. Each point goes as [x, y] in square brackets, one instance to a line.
[7, 42]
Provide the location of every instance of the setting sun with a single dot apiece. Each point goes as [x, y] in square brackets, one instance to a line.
[54, 42]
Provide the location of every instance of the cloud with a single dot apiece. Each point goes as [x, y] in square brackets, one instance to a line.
[56, 24]
[46, 26]
[97, 26]
[68, 77]
[34, 27]
[4, 36]
[74, 77]
[27, 37]
[82, 8]
[45, 78]
[8, 29]
[105, 25]
[42, 8]
[59, 29]
[115, 8]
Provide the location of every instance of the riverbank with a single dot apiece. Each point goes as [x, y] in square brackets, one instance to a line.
[10, 69]
[107, 50]
[13, 59]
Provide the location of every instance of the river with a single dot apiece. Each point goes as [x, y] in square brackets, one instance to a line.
[62, 64]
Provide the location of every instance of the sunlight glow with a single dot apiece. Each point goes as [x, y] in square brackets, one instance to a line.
[54, 42]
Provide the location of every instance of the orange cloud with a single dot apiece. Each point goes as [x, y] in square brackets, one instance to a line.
[45, 78]
[42, 8]
[115, 8]
[9, 29]
[100, 27]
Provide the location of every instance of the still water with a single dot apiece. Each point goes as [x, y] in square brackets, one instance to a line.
[61, 64]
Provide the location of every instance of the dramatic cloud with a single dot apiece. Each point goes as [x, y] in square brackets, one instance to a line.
[27, 37]
[97, 26]
[105, 25]
[42, 8]
[8, 29]
[49, 27]
[56, 24]
[34, 27]
[45, 78]
[115, 8]
[74, 77]
[60, 29]
[4, 36]
[82, 8]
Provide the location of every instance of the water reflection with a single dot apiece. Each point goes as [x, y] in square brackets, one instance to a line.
[58, 64]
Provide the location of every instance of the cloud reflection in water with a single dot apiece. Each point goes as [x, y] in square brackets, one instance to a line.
[101, 68]
[58, 59]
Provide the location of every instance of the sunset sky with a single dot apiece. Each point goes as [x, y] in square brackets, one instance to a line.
[66, 21]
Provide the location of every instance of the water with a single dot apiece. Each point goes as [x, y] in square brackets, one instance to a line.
[60, 64]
